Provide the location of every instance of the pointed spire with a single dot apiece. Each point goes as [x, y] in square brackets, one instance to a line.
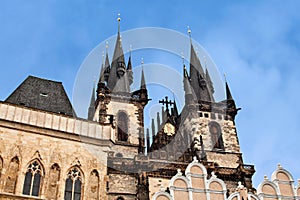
[189, 95]
[118, 67]
[106, 65]
[197, 76]
[228, 93]
[119, 19]
[148, 140]
[153, 130]
[158, 121]
[185, 73]
[122, 85]
[129, 69]
[91, 111]
[143, 82]
[101, 76]
[175, 110]
[210, 84]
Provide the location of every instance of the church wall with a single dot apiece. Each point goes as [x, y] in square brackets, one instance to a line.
[133, 124]
[122, 184]
[155, 184]
[49, 147]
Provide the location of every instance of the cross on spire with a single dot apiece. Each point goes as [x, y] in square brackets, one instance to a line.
[165, 101]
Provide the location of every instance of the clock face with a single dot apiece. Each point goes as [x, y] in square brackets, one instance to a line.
[169, 129]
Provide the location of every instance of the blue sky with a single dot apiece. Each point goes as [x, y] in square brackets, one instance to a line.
[256, 43]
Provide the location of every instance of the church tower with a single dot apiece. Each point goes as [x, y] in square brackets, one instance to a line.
[204, 129]
[118, 107]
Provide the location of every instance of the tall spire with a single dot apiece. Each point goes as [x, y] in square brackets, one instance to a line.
[129, 69]
[106, 65]
[228, 93]
[91, 111]
[101, 76]
[175, 110]
[189, 95]
[231, 107]
[153, 130]
[197, 76]
[209, 84]
[143, 82]
[148, 140]
[118, 68]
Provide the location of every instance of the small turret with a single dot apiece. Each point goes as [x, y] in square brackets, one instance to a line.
[91, 111]
[143, 90]
[129, 70]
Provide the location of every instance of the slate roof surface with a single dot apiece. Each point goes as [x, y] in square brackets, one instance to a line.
[42, 94]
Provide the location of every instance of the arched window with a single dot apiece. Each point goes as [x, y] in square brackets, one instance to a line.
[120, 198]
[12, 175]
[94, 185]
[122, 119]
[73, 187]
[33, 179]
[54, 176]
[216, 135]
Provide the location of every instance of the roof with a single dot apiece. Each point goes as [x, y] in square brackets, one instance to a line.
[42, 94]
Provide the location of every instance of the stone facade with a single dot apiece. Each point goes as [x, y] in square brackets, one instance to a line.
[27, 136]
[46, 152]
[196, 183]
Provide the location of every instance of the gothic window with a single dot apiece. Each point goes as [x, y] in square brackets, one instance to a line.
[94, 185]
[33, 179]
[73, 187]
[120, 198]
[216, 135]
[53, 181]
[12, 176]
[122, 126]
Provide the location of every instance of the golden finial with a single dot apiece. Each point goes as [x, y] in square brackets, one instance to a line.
[119, 19]
[142, 61]
[189, 32]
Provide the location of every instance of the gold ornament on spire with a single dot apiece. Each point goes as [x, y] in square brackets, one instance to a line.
[142, 61]
[189, 30]
[119, 17]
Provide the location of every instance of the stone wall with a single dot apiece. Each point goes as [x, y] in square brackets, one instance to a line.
[53, 140]
[194, 184]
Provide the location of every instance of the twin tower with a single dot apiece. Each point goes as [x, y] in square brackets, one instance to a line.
[204, 128]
